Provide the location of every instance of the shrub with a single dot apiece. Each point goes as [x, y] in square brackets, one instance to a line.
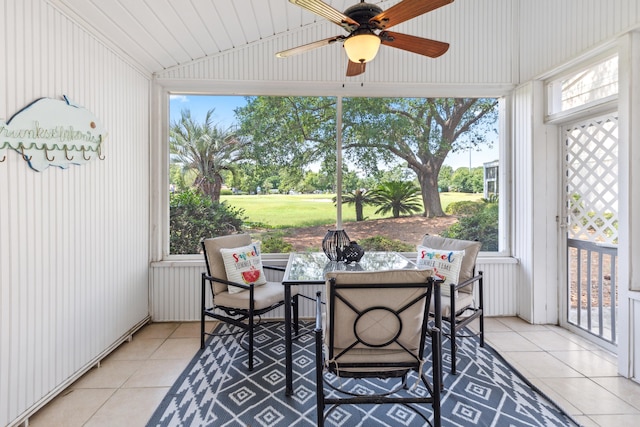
[482, 226]
[464, 208]
[193, 216]
[381, 243]
[275, 243]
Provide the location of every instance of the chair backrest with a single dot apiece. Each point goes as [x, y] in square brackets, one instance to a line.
[471, 250]
[213, 257]
[377, 321]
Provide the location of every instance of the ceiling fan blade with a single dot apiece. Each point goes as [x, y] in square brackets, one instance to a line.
[324, 10]
[419, 45]
[405, 10]
[308, 47]
[355, 68]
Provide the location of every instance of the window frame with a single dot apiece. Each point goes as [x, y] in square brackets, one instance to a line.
[552, 85]
[160, 133]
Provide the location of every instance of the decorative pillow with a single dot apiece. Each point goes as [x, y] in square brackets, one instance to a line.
[446, 265]
[243, 265]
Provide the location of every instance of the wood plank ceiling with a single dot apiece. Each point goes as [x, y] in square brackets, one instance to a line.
[160, 34]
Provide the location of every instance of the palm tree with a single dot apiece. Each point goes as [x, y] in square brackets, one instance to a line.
[397, 197]
[206, 150]
[359, 198]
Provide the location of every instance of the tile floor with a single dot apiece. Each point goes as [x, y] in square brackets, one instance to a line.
[131, 382]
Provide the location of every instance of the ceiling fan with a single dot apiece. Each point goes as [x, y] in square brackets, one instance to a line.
[367, 25]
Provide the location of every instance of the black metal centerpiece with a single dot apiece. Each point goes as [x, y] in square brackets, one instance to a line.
[338, 247]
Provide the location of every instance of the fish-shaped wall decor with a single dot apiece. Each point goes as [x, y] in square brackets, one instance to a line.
[53, 132]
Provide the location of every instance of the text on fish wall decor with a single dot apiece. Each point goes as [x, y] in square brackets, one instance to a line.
[53, 132]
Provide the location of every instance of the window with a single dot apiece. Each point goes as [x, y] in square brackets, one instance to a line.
[589, 85]
[268, 165]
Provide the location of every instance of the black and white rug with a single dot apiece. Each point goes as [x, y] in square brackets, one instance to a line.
[216, 389]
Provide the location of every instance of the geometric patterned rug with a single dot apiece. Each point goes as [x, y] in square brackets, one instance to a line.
[217, 390]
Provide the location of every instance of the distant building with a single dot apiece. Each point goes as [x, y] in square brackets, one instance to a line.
[491, 178]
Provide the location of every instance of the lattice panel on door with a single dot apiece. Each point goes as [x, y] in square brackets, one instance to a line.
[592, 180]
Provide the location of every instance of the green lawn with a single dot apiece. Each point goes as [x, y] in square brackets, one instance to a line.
[306, 210]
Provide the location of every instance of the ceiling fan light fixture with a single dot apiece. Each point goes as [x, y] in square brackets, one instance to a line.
[362, 47]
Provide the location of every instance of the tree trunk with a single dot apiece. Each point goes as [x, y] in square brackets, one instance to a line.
[430, 195]
[211, 187]
[216, 188]
[359, 211]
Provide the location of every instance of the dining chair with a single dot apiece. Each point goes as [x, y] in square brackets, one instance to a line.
[238, 288]
[454, 261]
[376, 327]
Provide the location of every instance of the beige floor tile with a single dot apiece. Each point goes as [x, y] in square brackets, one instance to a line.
[493, 324]
[587, 363]
[549, 340]
[623, 420]
[187, 330]
[624, 388]
[517, 324]
[72, 408]
[510, 341]
[556, 397]
[582, 342]
[137, 349]
[110, 374]
[179, 348]
[607, 355]
[589, 397]
[157, 330]
[128, 407]
[586, 421]
[540, 364]
[156, 373]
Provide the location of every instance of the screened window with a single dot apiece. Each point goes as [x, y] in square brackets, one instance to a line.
[591, 84]
[269, 165]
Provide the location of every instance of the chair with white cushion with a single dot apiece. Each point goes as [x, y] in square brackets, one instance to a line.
[376, 326]
[454, 261]
[238, 287]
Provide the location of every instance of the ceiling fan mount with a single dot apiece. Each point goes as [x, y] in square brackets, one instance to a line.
[362, 13]
[362, 20]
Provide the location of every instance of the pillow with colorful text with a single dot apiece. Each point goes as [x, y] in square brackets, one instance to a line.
[243, 265]
[445, 264]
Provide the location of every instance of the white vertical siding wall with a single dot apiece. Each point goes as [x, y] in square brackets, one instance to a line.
[522, 183]
[553, 31]
[175, 290]
[536, 186]
[73, 243]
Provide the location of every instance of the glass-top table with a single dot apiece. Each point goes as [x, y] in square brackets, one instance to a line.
[309, 268]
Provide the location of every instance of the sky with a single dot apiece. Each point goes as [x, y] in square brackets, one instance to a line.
[223, 116]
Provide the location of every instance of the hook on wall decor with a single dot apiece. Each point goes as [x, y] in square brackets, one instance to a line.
[46, 155]
[66, 154]
[24, 156]
[83, 156]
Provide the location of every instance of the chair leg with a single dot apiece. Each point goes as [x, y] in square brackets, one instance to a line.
[481, 320]
[202, 308]
[296, 322]
[251, 343]
[436, 343]
[452, 324]
[319, 381]
[202, 331]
